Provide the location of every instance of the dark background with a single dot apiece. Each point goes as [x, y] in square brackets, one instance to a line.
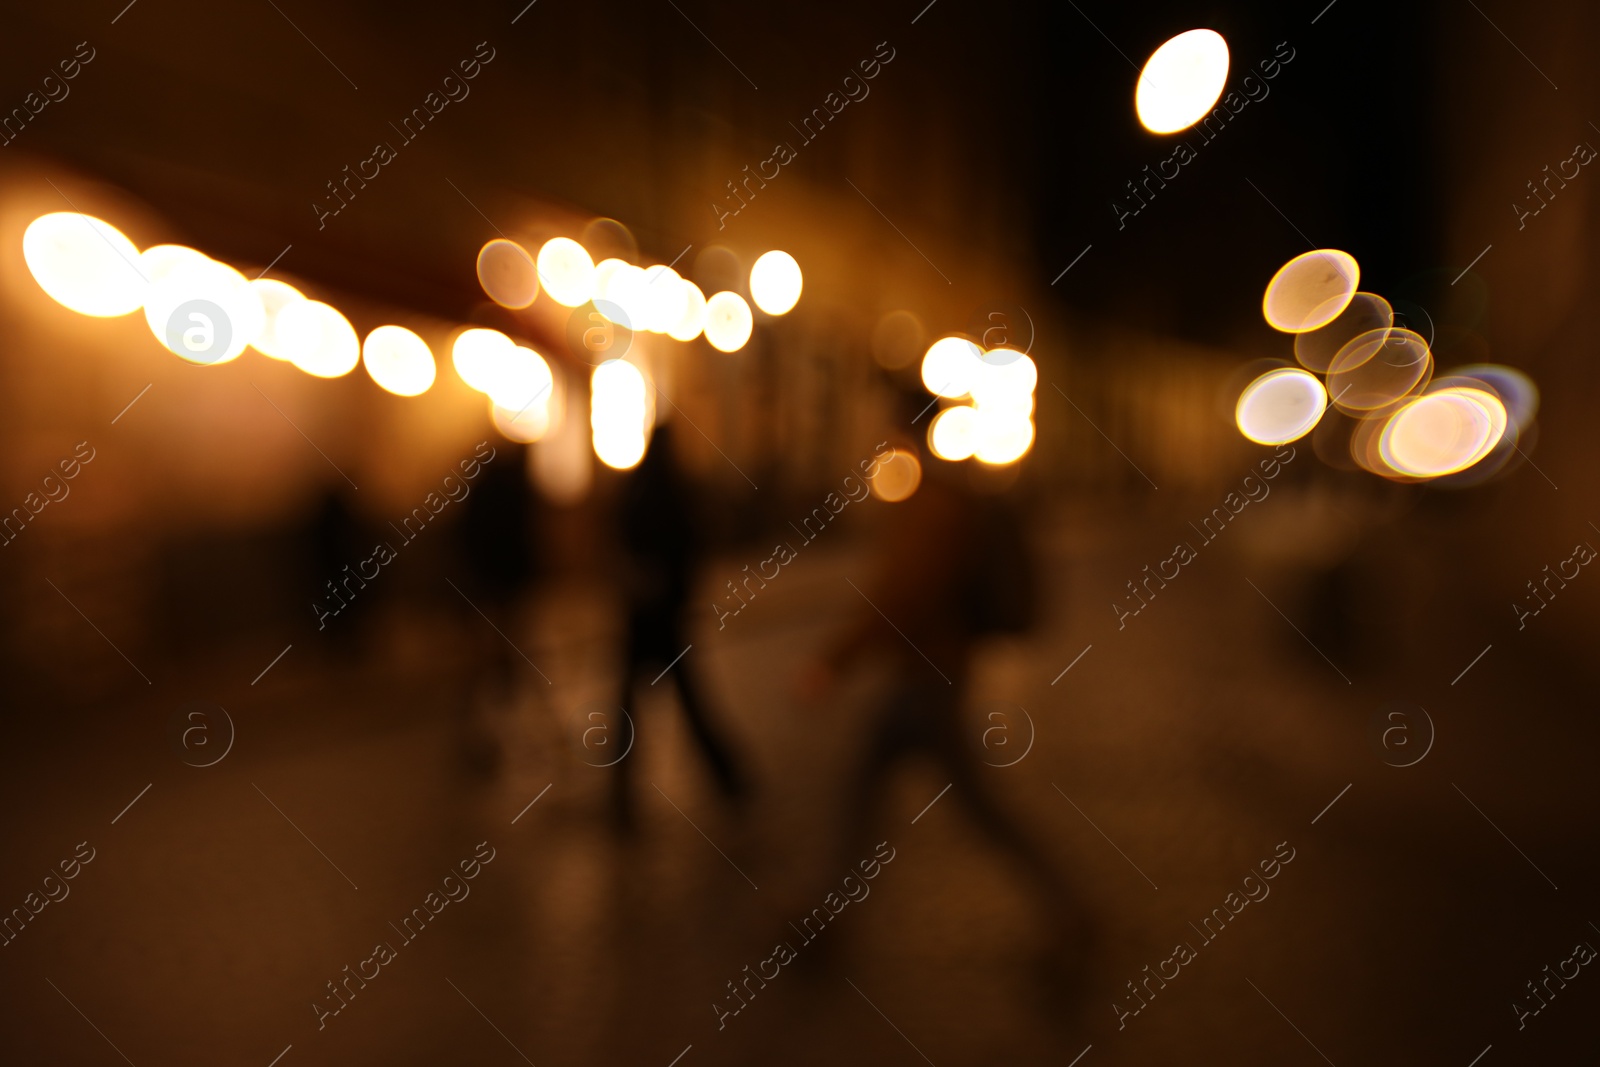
[1218, 724]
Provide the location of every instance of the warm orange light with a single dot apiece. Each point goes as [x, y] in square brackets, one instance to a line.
[775, 282]
[507, 273]
[1311, 290]
[897, 477]
[84, 263]
[728, 322]
[399, 361]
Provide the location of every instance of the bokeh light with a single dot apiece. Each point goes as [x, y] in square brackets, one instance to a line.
[1181, 81]
[522, 381]
[507, 274]
[1007, 383]
[1378, 368]
[898, 339]
[775, 282]
[1442, 432]
[1316, 349]
[953, 434]
[950, 366]
[620, 294]
[1280, 406]
[728, 321]
[897, 477]
[664, 299]
[1001, 436]
[399, 361]
[1311, 290]
[319, 340]
[84, 263]
[199, 309]
[1515, 389]
[692, 318]
[274, 296]
[480, 357]
[619, 413]
[566, 271]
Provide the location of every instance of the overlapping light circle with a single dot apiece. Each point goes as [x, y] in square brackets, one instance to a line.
[1311, 290]
[84, 263]
[1378, 374]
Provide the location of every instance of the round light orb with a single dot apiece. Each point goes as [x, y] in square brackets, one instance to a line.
[693, 316]
[84, 264]
[1377, 369]
[1316, 349]
[1001, 437]
[1005, 384]
[953, 434]
[897, 477]
[274, 296]
[1311, 290]
[525, 426]
[199, 309]
[728, 321]
[775, 282]
[318, 338]
[623, 298]
[664, 298]
[1442, 432]
[1181, 81]
[480, 357]
[399, 361]
[950, 366]
[507, 273]
[1282, 405]
[524, 381]
[566, 271]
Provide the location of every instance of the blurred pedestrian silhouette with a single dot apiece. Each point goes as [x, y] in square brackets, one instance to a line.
[495, 539]
[953, 567]
[661, 547]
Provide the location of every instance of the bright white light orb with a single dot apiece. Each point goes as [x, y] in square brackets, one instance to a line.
[319, 340]
[566, 271]
[693, 317]
[84, 263]
[1181, 81]
[619, 413]
[1001, 436]
[274, 296]
[1282, 405]
[950, 366]
[480, 356]
[953, 433]
[775, 282]
[399, 361]
[728, 322]
[199, 309]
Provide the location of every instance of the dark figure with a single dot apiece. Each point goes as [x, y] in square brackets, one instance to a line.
[661, 548]
[953, 568]
[495, 541]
